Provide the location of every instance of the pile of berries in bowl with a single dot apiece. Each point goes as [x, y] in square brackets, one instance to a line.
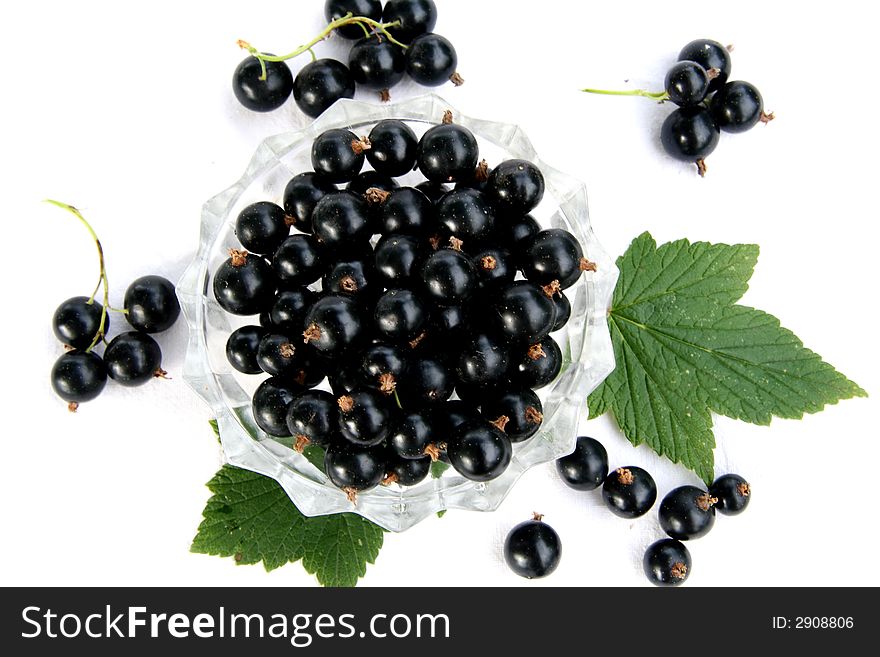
[397, 311]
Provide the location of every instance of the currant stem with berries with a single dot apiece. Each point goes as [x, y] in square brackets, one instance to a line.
[102, 280]
[365, 23]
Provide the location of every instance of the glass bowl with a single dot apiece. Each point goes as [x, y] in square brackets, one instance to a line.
[585, 341]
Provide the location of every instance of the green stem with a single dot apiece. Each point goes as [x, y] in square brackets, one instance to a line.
[659, 96]
[348, 19]
[397, 400]
[103, 279]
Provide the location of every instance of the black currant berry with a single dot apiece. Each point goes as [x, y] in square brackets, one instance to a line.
[518, 413]
[687, 83]
[78, 376]
[352, 275]
[427, 382]
[338, 155]
[364, 417]
[151, 304]
[321, 83]
[452, 414]
[586, 467]
[407, 211]
[261, 227]
[336, 9]
[495, 266]
[77, 321]
[737, 107]
[407, 472]
[532, 549]
[449, 277]
[398, 259]
[345, 378]
[448, 322]
[515, 186]
[311, 418]
[448, 153]
[554, 255]
[667, 562]
[342, 220]
[516, 233]
[563, 310]
[708, 54]
[270, 403]
[689, 134]
[241, 348]
[244, 284]
[687, 513]
[400, 316]
[479, 451]
[393, 148]
[411, 434]
[301, 195]
[416, 17]
[483, 360]
[133, 358]
[376, 63]
[299, 261]
[536, 365]
[433, 190]
[262, 95]
[334, 324]
[288, 313]
[367, 180]
[732, 493]
[353, 468]
[276, 355]
[431, 60]
[523, 313]
[382, 367]
[467, 215]
[629, 492]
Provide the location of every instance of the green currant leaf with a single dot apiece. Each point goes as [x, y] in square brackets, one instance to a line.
[684, 349]
[438, 468]
[251, 518]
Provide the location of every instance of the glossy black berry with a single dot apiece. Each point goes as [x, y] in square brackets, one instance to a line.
[367, 180]
[687, 513]
[262, 95]
[241, 348]
[427, 382]
[407, 211]
[517, 412]
[431, 60]
[448, 322]
[270, 403]
[416, 17]
[689, 134]
[449, 277]
[321, 83]
[337, 155]
[78, 376]
[563, 310]
[301, 195]
[452, 414]
[345, 378]
[667, 562]
[732, 493]
[288, 313]
[299, 261]
[354, 468]
[353, 275]
[515, 186]
[411, 434]
[532, 549]
[737, 107]
[515, 233]
[537, 365]
[433, 190]
[479, 451]
[393, 148]
[554, 255]
[151, 304]
[482, 360]
[334, 324]
[687, 83]
[311, 367]
[276, 355]
[341, 220]
[586, 467]
[398, 259]
[336, 9]
[244, 284]
[376, 63]
[407, 472]
[77, 321]
[311, 418]
[382, 367]
[467, 215]
[261, 227]
[448, 153]
[495, 266]
[133, 358]
[364, 416]
[629, 492]
[400, 315]
[523, 312]
[708, 54]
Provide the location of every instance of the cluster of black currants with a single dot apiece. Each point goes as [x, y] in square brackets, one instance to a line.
[686, 513]
[82, 323]
[435, 306]
[708, 103]
[391, 41]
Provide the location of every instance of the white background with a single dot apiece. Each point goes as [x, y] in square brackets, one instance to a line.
[128, 114]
